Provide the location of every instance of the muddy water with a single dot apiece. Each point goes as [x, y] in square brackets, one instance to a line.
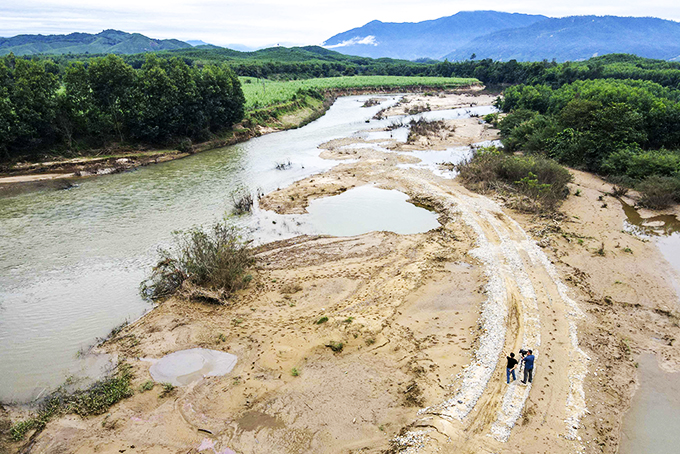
[368, 209]
[652, 425]
[663, 229]
[71, 260]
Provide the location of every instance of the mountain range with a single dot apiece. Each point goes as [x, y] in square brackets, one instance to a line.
[106, 42]
[506, 36]
[465, 35]
[432, 38]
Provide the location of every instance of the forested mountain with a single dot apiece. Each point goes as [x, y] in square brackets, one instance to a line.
[433, 38]
[106, 42]
[578, 38]
[504, 36]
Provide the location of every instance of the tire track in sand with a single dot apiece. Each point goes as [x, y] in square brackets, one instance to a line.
[523, 286]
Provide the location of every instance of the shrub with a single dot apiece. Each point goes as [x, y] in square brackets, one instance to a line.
[216, 259]
[542, 182]
[168, 388]
[423, 128]
[242, 202]
[185, 145]
[659, 191]
[335, 346]
[637, 164]
[491, 118]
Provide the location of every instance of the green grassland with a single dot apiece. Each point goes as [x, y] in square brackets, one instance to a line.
[261, 92]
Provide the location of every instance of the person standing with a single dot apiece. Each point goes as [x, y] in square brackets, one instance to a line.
[528, 366]
[510, 369]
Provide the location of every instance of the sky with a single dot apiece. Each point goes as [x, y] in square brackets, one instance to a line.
[269, 22]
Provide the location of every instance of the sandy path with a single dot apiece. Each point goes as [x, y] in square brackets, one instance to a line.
[526, 302]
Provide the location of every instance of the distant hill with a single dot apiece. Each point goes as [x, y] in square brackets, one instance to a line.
[277, 54]
[578, 38]
[197, 42]
[433, 38]
[106, 42]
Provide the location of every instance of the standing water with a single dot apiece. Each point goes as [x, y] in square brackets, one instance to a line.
[652, 425]
[71, 261]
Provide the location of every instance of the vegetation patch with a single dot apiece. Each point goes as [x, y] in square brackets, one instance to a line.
[95, 400]
[261, 92]
[242, 201]
[215, 258]
[335, 346]
[535, 184]
[167, 389]
[659, 191]
[78, 107]
[424, 128]
[625, 130]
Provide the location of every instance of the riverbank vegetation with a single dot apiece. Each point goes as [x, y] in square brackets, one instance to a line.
[626, 130]
[59, 106]
[88, 106]
[533, 183]
[94, 400]
[216, 259]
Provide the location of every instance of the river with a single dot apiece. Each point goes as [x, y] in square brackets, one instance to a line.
[71, 260]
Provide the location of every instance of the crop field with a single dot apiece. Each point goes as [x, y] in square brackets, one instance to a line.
[262, 92]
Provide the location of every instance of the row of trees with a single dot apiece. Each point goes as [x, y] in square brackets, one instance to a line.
[281, 63]
[105, 99]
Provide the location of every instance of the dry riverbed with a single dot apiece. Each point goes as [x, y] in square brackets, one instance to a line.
[395, 343]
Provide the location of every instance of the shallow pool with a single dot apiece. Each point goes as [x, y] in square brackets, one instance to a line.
[652, 426]
[368, 209]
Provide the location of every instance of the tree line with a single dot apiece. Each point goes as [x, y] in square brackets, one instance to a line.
[88, 104]
[627, 130]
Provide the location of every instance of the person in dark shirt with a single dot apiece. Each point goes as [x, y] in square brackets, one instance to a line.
[510, 369]
[528, 367]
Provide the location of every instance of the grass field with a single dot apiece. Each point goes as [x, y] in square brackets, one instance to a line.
[261, 92]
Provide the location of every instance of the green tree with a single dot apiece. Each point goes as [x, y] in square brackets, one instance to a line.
[112, 82]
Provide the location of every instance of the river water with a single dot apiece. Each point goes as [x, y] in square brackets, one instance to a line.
[71, 260]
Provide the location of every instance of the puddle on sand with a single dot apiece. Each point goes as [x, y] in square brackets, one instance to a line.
[664, 224]
[652, 425]
[186, 366]
[664, 228]
[369, 209]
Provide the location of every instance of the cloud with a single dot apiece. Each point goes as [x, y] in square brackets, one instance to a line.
[367, 40]
[262, 22]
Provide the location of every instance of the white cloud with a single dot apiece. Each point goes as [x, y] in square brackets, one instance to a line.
[367, 40]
